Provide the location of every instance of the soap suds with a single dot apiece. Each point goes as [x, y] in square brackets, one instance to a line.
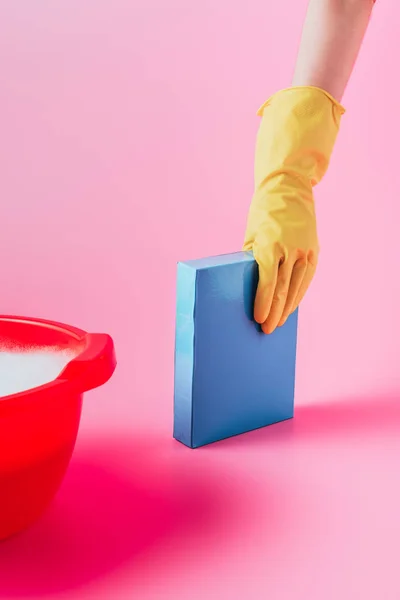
[23, 370]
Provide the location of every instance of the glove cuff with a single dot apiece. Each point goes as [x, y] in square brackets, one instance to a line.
[308, 92]
[297, 134]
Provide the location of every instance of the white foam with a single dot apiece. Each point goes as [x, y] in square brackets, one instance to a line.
[20, 371]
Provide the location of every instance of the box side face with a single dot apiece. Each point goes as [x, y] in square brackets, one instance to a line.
[184, 353]
[243, 379]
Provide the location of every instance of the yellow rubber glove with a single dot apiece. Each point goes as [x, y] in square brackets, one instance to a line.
[294, 144]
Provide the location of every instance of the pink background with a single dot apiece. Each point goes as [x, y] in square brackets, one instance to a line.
[127, 136]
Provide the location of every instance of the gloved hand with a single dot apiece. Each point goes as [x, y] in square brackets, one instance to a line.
[294, 144]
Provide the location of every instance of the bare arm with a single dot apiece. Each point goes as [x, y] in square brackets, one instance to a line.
[331, 40]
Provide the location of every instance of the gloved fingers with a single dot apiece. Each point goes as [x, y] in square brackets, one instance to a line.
[280, 296]
[298, 273]
[268, 276]
[309, 274]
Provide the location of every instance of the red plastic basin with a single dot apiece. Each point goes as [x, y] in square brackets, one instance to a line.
[39, 426]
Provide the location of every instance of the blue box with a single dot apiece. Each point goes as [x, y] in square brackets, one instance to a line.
[229, 376]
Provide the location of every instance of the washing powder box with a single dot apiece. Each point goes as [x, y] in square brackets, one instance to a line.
[229, 376]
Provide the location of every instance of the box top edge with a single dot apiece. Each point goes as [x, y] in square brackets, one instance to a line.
[218, 260]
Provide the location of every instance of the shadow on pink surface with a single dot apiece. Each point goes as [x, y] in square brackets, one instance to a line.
[356, 418]
[127, 502]
[147, 505]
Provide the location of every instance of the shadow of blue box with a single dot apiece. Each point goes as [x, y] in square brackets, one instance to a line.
[230, 377]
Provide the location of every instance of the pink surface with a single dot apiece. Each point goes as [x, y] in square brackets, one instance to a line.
[127, 135]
